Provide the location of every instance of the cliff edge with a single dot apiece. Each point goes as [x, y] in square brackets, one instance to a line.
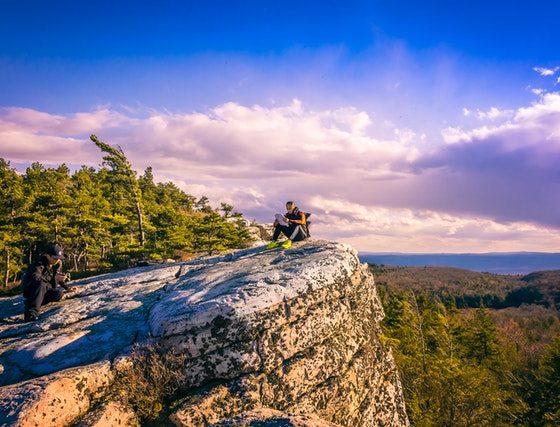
[263, 336]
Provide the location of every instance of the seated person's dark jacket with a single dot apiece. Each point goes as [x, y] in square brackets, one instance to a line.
[297, 230]
[296, 216]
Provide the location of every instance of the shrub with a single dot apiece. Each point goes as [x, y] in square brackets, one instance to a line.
[147, 378]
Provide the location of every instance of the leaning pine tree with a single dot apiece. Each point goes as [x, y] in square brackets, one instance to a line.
[118, 162]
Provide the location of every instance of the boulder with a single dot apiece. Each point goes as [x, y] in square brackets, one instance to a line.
[294, 331]
[110, 414]
[264, 417]
[54, 400]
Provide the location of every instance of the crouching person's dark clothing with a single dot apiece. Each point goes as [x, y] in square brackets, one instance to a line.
[40, 286]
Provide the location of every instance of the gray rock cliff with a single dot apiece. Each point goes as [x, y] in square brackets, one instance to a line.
[264, 334]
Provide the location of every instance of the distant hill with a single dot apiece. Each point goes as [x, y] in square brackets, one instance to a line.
[499, 262]
[469, 289]
[541, 287]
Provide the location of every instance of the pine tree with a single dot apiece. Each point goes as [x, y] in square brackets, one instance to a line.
[11, 194]
[44, 216]
[481, 341]
[203, 205]
[445, 382]
[226, 209]
[543, 388]
[89, 213]
[120, 165]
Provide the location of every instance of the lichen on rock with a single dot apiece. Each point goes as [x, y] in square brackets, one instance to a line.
[291, 331]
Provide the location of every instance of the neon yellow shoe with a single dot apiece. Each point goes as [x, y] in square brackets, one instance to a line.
[272, 245]
[287, 244]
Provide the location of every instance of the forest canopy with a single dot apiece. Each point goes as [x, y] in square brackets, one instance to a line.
[468, 352]
[106, 217]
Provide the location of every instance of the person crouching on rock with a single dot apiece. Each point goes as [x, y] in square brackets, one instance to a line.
[41, 282]
[293, 225]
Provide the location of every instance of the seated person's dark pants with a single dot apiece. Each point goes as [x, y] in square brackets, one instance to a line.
[39, 295]
[294, 232]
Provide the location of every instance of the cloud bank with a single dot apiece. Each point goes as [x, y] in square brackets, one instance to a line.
[487, 188]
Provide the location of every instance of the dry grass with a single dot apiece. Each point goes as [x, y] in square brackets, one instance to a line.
[147, 378]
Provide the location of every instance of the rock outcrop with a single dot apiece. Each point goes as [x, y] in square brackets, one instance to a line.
[264, 336]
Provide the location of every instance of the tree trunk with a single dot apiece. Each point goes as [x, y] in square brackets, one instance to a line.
[140, 222]
[79, 258]
[420, 329]
[7, 276]
[86, 260]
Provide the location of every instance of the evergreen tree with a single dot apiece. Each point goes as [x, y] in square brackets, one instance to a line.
[11, 195]
[44, 217]
[89, 214]
[543, 388]
[90, 217]
[120, 165]
[450, 367]
[203, 205]
[226, 209]
[480, 340]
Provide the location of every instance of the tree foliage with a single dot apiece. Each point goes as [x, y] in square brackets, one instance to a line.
[124, 174]
[464, 367]
[106, 217]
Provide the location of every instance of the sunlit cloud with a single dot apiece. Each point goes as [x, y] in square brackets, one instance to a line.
[386, 230]
[545, 72]
[492, 114]
[483, 186]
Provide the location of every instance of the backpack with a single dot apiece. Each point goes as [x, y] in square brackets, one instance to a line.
[307, 224]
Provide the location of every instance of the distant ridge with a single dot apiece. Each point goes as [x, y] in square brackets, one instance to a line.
[460, 253]
[491, 262]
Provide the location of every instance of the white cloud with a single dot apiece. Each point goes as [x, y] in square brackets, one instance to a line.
[402, 191]
[492, 114]
[406, 136]
[453, 135]
[543, 71]
[29, 120]
[228, 131]
[425, 230]
[507, 172]
[542, 116]
[548, 105]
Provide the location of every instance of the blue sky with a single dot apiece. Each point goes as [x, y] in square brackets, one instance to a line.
[418, 96]
[62, 55]
[521, 30]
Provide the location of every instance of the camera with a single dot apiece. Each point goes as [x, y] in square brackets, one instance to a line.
[63, 277]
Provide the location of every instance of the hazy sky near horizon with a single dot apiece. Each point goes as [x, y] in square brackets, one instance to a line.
[411, 126]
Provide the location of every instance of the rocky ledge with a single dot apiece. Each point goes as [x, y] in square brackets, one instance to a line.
[263, 336]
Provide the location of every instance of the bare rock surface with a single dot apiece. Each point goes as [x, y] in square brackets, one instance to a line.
[56, 399]
[110, 414]
[267, 417]
[293, 331]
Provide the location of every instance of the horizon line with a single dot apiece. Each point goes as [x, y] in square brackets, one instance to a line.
[461, 253]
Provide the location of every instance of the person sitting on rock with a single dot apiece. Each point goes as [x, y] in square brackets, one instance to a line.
[41, 282]
[293, 225]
